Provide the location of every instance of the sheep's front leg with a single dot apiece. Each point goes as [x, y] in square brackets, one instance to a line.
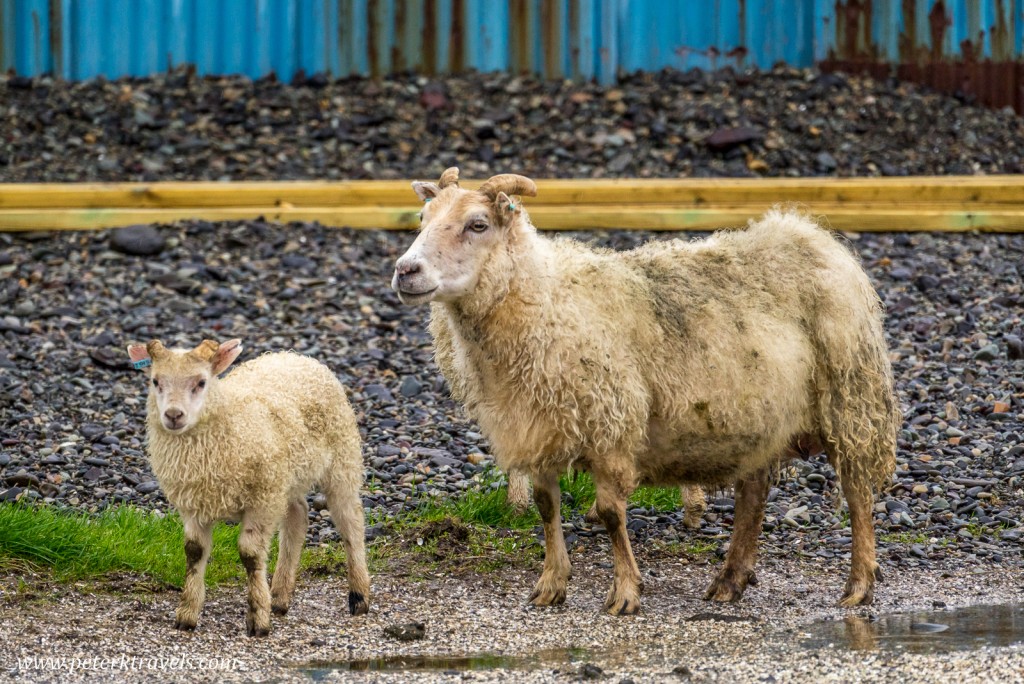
[253, 546]
[198, 542]
[292, 539]
[550, 589]
[738, 571]
[612, 492]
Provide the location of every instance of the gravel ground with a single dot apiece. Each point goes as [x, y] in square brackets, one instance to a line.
[780, 122]
[759, 639]
[71, 409]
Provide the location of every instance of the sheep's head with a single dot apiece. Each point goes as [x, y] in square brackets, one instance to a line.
[181, 378]
[460, 232]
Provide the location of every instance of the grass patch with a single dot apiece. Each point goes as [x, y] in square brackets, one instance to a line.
[477, 530]
[78, 546]
[904, 538]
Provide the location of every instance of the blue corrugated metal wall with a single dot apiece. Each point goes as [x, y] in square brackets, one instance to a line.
[580, 38]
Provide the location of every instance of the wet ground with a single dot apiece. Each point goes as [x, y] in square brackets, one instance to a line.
[478, 628]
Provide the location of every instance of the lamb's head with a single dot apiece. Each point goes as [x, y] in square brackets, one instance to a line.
[181, 379]
[462, 232]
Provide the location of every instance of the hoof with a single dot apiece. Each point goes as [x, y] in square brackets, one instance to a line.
[547, 593]
[591, 516]
[357, 603]
[622, 606]
[857, 594]
[185, 625]
[279, 610]
[692, 523]
[254, 630]
[729, 586]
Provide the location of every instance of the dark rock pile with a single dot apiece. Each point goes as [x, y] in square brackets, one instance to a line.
[783, 122]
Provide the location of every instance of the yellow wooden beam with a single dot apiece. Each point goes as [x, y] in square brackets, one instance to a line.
[650, 217]
[949, 203]
[551, 192]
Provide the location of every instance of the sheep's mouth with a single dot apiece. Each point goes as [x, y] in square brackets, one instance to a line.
[416, 297]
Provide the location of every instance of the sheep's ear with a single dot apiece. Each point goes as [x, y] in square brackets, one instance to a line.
[226, 354]
[425, 191]
[139, 356]
[506, 207]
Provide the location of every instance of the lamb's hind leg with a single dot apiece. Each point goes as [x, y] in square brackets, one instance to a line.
[346, 506]
[738, 572]
[198, 542]
[612, 492]
[292, 539]
[694, 505]
[550, 589]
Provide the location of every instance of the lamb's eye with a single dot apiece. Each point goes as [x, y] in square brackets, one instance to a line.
[478, 226]
[156, 383]
[201, 384]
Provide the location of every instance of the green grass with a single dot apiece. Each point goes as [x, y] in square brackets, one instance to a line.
[483, 532]
[123, 539]
[904, 538]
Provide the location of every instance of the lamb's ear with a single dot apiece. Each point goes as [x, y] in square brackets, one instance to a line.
[226, 354]
[425, 191]
[139, 356]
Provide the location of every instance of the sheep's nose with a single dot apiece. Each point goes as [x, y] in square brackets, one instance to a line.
[173, 414]
[407, 268]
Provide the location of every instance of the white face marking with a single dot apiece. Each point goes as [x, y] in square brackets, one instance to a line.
[179, 396]
[457, 234]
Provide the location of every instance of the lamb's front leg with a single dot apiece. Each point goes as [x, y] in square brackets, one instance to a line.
[198, 542]
[253, 546]
[550, 589]
[612, 492]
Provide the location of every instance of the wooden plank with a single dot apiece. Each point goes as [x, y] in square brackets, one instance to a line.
[554, 192]
[658, 217]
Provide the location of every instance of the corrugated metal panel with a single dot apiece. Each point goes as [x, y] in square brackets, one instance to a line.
[972, 42]
[969, 47]
[572, 38]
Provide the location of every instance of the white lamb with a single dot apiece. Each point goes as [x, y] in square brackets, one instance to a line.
[249, 448]
[679, 362]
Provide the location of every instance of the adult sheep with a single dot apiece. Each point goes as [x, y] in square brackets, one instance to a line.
[677, 362]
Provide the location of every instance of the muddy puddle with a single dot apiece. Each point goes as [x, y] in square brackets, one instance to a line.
[555, 659]
[934, 631]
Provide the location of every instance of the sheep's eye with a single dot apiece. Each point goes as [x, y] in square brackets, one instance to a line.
[156, 383]
[201, 384]
[478, 226]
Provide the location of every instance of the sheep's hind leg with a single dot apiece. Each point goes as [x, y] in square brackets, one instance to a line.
[864, 570]
[550, 589]
[738, 572]
[346, 506]
[198, 542]
[253, 546]
[624, 595]
[694, 505]
[293, 538]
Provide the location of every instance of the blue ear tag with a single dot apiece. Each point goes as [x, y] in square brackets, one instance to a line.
[139, 365]
[511, 207]
[427, 200]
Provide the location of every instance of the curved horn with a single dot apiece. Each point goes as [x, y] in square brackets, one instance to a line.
[510, 184]
[205, 350]
[449, 177]
[156, 349]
